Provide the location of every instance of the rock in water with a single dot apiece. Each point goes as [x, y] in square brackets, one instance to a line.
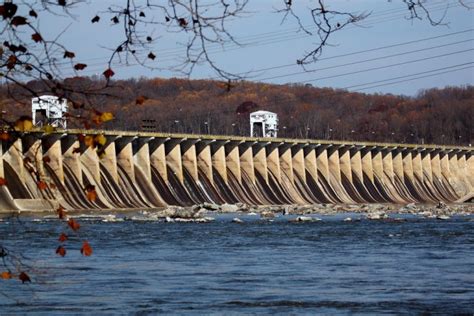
[204, 220]
[305, 219]
[267, 214]
[229, 208]
[411, 205]
[377, 215]
[237, 220]
[210, 206]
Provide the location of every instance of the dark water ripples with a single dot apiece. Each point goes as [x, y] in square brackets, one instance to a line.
[258, 267]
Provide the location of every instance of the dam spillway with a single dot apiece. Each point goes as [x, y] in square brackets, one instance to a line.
[148, 170]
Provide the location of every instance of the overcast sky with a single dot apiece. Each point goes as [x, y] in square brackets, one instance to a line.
[419, 56]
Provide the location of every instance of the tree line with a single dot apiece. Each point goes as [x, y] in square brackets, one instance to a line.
[439, 116]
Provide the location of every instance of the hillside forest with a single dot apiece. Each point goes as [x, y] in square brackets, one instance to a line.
[434, 116]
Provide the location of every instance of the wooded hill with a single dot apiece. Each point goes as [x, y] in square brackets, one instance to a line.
[441, 116]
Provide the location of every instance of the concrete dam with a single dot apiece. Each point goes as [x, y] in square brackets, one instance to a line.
[148, 170]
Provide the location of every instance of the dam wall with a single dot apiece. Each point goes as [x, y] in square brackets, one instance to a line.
[148, 170]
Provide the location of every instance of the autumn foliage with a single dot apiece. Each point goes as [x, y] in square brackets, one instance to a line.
[443, 116]
[73, 224]
[86, 249]
[61, 251]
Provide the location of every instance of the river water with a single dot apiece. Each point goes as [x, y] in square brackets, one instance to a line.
[259, 267]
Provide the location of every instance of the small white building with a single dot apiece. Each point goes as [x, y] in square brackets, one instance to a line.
[263, 124]
[49, 109]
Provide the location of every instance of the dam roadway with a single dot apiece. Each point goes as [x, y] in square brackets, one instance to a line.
[139, 170]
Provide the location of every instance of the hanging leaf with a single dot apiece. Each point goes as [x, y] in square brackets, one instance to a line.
[91, 195]
[63, 237]
[24, 277]
[8, 10]
[46, 159]
[108, 73]
[95, 19]
[73, 224]
[182, 22]
[142, 14]
[4, 136]
[80, 66]
[61, 251]
[86, 249]
[6, 275]
[33, 13]
[100, 139]
[76, 150]
[149, 39]
[167, 19]
[42, 185]
[62, 3]
[48, 129]
[89, 141]
[61, 212]
[115, 20]
[19, 48]
[3, 181]
[36, 37]
[24, 124]
[151, 56]
[106, 116]
[68, 54]
[96, 118]
[18, 20]
[11, 62]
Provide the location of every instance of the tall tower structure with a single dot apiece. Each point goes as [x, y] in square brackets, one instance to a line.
[263, 124]
[49, 109]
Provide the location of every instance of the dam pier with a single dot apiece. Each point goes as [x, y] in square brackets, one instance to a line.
[134, 170]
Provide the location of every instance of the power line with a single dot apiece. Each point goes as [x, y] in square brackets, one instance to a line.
[388, 66]
[370, 49]
[417, 78]
[366, 60]
[406, 76]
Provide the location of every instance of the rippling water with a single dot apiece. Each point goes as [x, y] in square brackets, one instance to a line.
[258, 267]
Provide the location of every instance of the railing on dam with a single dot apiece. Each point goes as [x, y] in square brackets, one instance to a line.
[147, 170]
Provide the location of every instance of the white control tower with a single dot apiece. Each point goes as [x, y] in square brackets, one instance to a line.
[49, 109]
[263, 124]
